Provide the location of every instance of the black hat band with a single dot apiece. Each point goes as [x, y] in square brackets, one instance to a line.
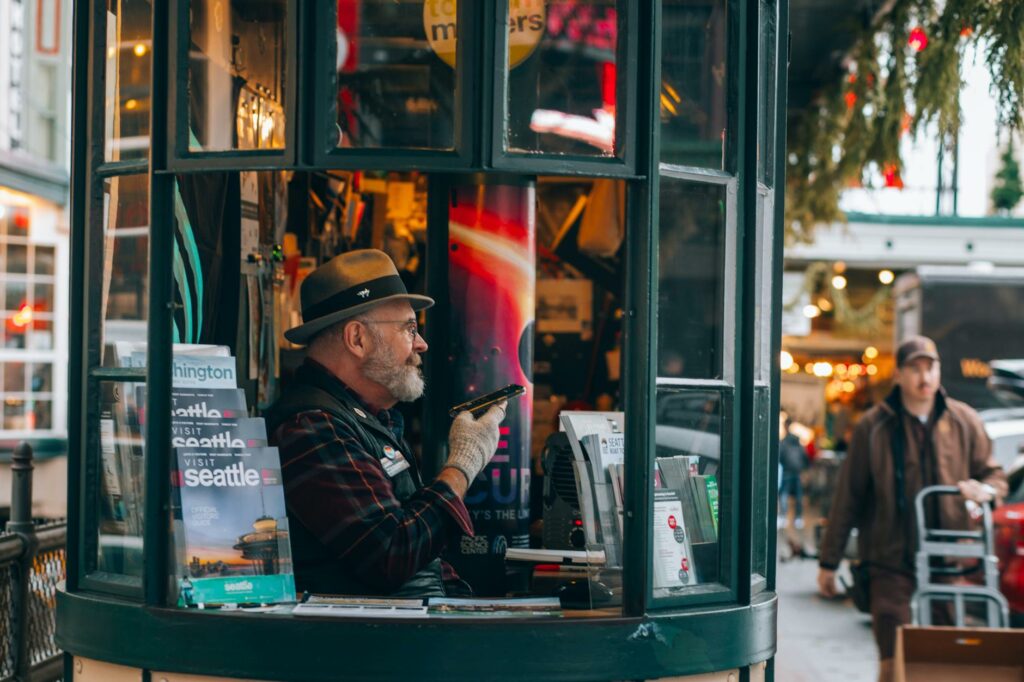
[374, 290]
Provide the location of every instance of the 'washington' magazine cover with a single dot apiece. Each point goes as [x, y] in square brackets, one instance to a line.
[230, 527]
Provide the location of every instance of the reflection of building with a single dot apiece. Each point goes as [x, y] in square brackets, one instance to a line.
[261, 546]
[34, 110]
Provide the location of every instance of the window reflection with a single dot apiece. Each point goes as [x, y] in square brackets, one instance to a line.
[690, 280]
[562, 85]
[237, 75]
[127, 102]
[126, 244]
[395, 73]
[695, 82]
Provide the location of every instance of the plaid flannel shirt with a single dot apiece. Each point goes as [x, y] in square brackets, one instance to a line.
[342, 495]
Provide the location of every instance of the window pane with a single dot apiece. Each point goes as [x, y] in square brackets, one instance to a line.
[17, 259]
[688, 438]
[14, 331]
[690, 279]
[41, 416]
[562, 67]
[44, 260]
[694, 82]
[42, 378]
[236, 74]
[14, 377]
[763, 525]
[766, 92]
[763, 296]
[40, 334]
[14, 415]
[127, 98]
[126, 243]
[121, 484]
[15, 295]
[42, 300]
[395, 74]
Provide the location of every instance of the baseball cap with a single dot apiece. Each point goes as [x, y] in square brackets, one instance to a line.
[916, 347]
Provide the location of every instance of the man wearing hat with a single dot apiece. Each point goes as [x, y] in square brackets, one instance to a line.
[917, 437]
[361, 519]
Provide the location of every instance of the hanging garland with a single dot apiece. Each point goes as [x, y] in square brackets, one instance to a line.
[904, 73]
[869, 320]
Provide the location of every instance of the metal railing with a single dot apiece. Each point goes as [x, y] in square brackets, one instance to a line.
[31, 565]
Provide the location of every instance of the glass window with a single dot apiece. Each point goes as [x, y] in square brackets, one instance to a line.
[691, 265]
[44, 260]
[14, 377]
[125, 278]
[42, 378]
[122, 467]
[395, 67]
[15, 295]
[694, 83]
[766, 65]
[562, 65]
[17, 259]
[127, 97]
[236, 74]
[688, 437]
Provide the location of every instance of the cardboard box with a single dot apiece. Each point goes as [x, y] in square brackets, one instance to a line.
[945, 654]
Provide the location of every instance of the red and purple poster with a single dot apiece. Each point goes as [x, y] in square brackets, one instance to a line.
[492, 280]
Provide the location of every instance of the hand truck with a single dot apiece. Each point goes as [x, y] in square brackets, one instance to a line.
[959, 544]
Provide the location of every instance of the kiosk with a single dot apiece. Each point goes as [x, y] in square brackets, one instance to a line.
[591, 190]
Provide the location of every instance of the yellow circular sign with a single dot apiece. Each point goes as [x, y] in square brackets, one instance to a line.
[526, 24]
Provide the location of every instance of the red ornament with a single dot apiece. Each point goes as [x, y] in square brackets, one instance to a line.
[851, 99]
[892, 176]
[966, 31]
[918, 39]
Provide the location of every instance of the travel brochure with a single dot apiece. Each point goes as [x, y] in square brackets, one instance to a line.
[230, 528]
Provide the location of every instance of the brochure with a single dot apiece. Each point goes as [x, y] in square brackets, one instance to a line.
[218, 433]
[531, 607]
[230, 527]
[673, 556]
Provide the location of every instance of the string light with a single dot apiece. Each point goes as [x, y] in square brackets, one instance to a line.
[822, 369]
[839, 282]
[886, 276]
[871, 352]
[140, 49]
[811, 311]
[785, 361]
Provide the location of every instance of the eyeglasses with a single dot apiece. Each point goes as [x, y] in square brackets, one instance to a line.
[408, 326]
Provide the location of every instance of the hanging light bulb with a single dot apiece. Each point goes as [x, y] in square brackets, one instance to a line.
[886, 276]
[839, 282]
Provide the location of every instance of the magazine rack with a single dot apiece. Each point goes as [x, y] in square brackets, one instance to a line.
[672, 287]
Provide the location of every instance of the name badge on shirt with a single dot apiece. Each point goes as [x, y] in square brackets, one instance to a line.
[393, 461]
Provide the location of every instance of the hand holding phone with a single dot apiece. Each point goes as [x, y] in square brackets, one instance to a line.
[477, 406]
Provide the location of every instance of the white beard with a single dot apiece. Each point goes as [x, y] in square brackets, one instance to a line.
[404, 380]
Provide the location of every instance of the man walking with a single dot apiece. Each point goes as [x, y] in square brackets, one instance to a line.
[917, 437]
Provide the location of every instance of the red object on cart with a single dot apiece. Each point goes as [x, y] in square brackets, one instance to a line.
[1009, 545]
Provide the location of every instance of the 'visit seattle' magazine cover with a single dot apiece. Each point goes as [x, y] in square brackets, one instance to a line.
[230, 527]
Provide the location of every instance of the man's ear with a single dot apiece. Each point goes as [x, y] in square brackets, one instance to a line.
[356, 337]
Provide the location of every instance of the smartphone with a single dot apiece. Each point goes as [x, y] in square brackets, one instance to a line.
[478, 405]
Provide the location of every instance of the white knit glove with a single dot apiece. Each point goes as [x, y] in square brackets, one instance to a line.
[472, 442]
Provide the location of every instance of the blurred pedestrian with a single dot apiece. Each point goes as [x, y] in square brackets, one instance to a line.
[917, 437]
[794, 460]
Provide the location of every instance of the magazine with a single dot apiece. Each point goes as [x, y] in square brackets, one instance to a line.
[359, 607]
[530, 607]
[230, 527]
[218, 433]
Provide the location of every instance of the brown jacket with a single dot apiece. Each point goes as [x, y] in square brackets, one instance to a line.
[866, 498]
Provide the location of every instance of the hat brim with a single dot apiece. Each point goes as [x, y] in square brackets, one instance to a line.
[304, 332]
[919, 354]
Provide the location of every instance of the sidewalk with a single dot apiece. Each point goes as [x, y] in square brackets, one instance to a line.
[819, 640]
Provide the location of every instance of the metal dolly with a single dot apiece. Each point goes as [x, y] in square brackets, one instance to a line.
[960, 544]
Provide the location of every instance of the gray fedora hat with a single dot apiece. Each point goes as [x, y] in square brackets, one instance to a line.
[346, 286]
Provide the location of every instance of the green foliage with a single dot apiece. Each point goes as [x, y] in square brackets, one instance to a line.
[857, 124]
[1008, 191]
